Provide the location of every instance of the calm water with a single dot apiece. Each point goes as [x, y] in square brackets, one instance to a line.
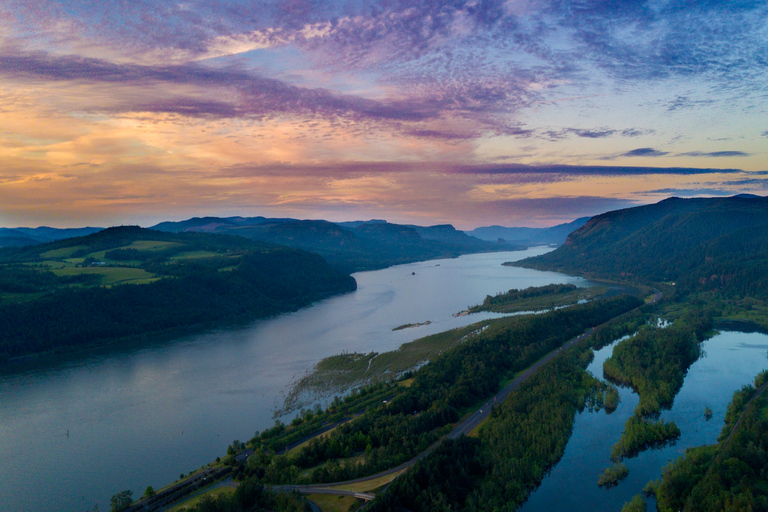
[731, 360]
[74, 434]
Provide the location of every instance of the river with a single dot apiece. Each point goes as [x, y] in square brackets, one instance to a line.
[730, 361]
[74, 433]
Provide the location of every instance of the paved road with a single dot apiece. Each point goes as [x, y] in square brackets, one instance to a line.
[463, 428]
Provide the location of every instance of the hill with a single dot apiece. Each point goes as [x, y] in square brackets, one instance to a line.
[20, 237]
[128, 282]
[348, 246]
[555, 235]
[712, 243]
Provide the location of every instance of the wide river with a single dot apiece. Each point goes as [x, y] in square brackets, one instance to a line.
[73, 434]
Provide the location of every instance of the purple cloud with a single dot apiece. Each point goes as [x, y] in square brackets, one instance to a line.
[645, 152]
[595, 133]
[259, 96]
[715, 154]
[577, 170]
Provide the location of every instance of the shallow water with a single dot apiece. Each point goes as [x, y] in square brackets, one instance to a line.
[73, 434]
[731, 360]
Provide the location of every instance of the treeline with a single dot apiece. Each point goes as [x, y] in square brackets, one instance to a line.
[527, 293]
[534, 297]
[193, 294]
[252, 496]
[414, 417]
[521, 440]
[440, 391]
[730, 476]
[654, 362]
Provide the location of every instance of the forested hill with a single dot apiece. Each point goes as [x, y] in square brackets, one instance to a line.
[348, 246]
[131, 282]
[714, 243]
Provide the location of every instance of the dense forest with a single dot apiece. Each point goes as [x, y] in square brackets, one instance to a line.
[699, 244]
[132, 282]
[349, 246]
[403, 421]
[524, 436]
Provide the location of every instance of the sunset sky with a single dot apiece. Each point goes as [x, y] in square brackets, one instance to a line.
[516, 112]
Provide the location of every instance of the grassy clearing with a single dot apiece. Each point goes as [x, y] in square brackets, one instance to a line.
[369, 485]
[406, 383]
[349, 461]
[337, 374]
[329, 503]
[63, 253]
[110, 275]
[215, 492]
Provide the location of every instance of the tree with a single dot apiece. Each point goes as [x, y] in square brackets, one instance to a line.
[121, 500]
[149, 492]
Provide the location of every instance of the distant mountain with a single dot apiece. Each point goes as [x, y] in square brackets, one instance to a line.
[20, 237]
[554, 235]
[697, 243]
[349, 246]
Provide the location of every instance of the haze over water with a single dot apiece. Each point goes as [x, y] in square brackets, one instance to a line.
[140, 417]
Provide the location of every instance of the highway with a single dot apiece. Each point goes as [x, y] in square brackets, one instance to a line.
[463, 428]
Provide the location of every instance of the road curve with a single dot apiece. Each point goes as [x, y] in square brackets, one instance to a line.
[467, 425]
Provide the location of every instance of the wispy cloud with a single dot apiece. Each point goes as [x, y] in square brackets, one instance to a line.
[714, 154]
[303, 103]
[645, 152]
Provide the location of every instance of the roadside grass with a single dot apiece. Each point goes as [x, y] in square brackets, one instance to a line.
[214, 493]
[297, 449]
[330, 503]
[406, 383]
[110, 275]
[369, 485]
[475, 432]
[349, 461]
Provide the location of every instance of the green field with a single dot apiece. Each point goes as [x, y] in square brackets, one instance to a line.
[110, 276]
[64, 252]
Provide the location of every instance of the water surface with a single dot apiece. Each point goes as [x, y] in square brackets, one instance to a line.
[731, 360]
[72, 435]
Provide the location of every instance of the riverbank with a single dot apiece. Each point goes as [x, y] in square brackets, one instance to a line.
[217, 386]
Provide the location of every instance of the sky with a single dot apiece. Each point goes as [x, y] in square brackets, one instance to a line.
[510, 112]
